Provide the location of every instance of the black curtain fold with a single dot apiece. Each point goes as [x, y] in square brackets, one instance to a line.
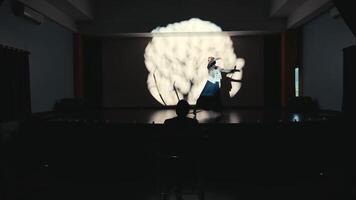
[92, 72]
[349, 81]
[272, 71]
[15, 99]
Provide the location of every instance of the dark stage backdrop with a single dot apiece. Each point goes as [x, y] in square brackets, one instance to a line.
[124, 74]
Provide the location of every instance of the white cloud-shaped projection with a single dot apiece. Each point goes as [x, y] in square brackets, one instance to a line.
[177, 57]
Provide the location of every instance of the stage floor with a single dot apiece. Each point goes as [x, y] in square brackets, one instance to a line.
[228, 116]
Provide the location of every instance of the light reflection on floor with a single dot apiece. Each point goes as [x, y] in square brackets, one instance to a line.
[229, 116]
[202, 116]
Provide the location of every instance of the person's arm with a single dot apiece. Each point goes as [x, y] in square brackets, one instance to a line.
[233, 80]
[229, 70]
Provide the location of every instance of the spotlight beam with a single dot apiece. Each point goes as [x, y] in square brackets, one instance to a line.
[178, 54]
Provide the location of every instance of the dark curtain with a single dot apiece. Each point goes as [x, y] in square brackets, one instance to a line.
[15, 100]
[291, 49]
[349, 81]
[272, 80]
[92, 71]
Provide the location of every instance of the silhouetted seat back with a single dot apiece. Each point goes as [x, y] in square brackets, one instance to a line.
[178, 154]
[70, 105]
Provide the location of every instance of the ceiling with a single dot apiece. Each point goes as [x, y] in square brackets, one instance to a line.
[112, 17]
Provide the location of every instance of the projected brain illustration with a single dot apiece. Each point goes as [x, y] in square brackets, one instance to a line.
[177, 57]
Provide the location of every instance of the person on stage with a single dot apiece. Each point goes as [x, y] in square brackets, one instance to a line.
[209, 98]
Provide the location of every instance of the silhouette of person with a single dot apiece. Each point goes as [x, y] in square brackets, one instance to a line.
[181, 120]
[179, 148]
[226, 85]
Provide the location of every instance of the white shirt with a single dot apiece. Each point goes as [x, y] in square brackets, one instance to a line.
[214, 76]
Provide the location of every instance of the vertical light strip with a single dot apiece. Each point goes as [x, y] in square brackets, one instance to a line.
[296, 81]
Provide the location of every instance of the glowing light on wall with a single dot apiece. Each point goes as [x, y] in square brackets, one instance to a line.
[177, 56]
[296, 81]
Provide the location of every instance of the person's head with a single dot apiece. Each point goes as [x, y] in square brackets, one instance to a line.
[182, 108]
[211, 62]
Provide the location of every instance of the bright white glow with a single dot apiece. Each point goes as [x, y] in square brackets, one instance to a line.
[177, 56]
[296, 118]
[158, 117]
[296, 81]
